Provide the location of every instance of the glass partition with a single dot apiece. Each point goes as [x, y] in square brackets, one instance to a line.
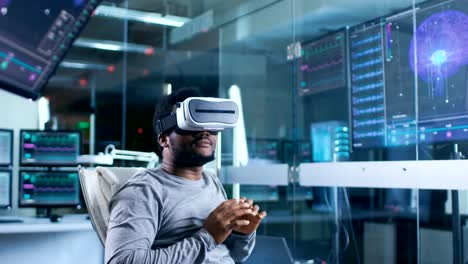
[255, 71]
[363, 82]
[88, 86]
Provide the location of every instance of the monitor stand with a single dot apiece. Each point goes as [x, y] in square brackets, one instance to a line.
[47, 213]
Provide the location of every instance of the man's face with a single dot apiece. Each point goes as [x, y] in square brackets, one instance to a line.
[192, 150]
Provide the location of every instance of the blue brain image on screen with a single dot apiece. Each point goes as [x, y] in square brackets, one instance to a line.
[440, 46]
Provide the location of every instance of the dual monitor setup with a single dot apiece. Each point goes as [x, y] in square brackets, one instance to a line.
[47, 177]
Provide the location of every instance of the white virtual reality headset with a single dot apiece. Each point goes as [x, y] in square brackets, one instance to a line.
[200, 114]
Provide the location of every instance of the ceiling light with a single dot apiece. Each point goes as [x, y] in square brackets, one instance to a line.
[82, 65]
[134, 15]
[112, 45]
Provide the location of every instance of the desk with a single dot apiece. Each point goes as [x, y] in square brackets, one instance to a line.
[39, 241]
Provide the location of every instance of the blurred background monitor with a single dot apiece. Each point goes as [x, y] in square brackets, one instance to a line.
[300, 193]
[322, 65]
[302, 148]
[32, 48]
[260, 193]
[49, 189]
[385, 111]
[6, 147]
[49, 147]
[263, 151]
[5, 189]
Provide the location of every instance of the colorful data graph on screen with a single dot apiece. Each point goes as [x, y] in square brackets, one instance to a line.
[49, 147]
[49, 188]
[367, 85]
[322, 64]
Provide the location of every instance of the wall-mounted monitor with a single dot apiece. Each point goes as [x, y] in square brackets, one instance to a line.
[34, 38]
[367, 84]
[439, 56]
[408, 82]
[322, 65]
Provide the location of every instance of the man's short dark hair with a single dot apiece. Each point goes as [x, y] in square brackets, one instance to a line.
[166, 105]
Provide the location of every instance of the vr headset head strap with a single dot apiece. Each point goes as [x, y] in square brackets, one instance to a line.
[166, 123]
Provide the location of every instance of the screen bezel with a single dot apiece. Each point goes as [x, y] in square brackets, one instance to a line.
[10, 187]
[42, 205]
[53, 66]
[80, 147]
[10, 131]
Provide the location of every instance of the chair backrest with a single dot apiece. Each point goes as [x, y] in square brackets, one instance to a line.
[270, 250]
[99, 185]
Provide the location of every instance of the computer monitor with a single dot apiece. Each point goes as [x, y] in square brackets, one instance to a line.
[48, 148]
[367, 84]
[390, 107]
[49, 189]
[322, 65]
[34, 37]
[6, 147]
[260, 193]
[263, 150]
[300, 193]
[5, 189]
[303, 149]
[442, 69]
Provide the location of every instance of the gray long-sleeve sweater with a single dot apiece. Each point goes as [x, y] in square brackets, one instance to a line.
[158, 218]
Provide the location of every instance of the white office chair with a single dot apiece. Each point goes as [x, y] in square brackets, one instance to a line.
[99, 185]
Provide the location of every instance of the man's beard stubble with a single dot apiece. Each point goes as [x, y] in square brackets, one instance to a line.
[190, 158]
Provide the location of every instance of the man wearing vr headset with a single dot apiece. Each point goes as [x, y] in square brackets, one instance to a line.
[178, 213]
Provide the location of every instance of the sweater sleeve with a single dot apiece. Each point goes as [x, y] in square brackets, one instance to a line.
[133, 225]
[240, 246]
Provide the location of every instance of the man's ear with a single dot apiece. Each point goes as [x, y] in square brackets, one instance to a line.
[163, 140]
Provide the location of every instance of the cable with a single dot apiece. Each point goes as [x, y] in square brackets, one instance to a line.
[353, 237]
[347, 238]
